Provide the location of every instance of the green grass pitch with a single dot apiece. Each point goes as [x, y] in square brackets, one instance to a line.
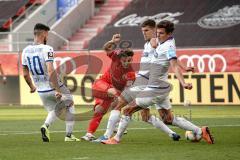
[20, 137]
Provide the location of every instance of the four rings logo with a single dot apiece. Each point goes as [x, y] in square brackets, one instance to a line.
[223, 18]
[212, 61]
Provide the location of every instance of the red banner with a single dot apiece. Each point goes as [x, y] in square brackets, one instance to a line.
[9, 63]
[94, 62]
[211, 60]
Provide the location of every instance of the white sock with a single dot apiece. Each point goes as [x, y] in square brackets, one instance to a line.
[112, 121]
[186, 125]
[125, 120]
[51, 117]
[70, 120]
[156, 122]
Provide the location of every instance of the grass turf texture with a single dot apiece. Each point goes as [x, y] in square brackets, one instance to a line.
[20, 137]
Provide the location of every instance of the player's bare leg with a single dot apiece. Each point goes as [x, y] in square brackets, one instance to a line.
[182, 123]
[114, 117]
[125, 120]
[99, 112]
[156, 122]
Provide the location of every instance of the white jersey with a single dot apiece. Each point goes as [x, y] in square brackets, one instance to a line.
[145, 61]
[35, 58]
[161, 61]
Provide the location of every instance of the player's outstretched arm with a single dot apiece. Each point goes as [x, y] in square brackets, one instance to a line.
[53, 78]
[178, 73]
[28, 79]
[2, 73]
[111, 45]
[185, 68]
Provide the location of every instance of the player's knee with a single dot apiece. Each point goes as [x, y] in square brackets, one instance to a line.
[128, 112]
[121, 103]
[99, 110]
[167, 118]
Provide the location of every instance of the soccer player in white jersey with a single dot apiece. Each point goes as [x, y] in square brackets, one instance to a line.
[158, 89]
[148, 28]
[37, 60]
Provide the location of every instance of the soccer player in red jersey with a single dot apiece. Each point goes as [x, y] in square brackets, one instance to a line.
[109, 86]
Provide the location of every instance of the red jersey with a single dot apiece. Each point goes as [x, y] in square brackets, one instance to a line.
[116, 72]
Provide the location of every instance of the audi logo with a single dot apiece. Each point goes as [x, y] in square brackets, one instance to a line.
[205, 60]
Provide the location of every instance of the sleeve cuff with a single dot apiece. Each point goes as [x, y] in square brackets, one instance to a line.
[50, 60]
[172, 58]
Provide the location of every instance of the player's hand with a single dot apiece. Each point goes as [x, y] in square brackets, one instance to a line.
[154, 42]
[190, 69]
[58, 95]
[112, 92]
[187, 86]
[116, 38]
[32, 89]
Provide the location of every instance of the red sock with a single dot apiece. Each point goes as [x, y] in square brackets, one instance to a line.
[94, 123]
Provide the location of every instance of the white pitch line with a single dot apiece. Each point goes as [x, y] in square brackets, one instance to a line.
[38, 132]
[82, 158]
[3, 134]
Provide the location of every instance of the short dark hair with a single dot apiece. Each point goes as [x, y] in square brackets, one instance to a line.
[40, 27]
[125, 53]
[149, 22]
[168, 25]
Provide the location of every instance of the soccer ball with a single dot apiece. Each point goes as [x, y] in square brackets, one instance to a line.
[193, 137]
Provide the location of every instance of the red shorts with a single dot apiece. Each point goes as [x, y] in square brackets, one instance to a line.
[99, 90]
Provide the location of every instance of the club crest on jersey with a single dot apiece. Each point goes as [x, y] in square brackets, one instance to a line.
[50, 54]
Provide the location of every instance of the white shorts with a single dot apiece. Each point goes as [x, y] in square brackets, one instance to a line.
[129, 94]
[154, 96]
[49, 100]
[164, 104]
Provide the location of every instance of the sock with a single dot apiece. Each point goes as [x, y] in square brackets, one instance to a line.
[69, 121]
[51, 117]
[113, 119]
[94, 122]
[156, 122]
[186, 125]
[125, 120]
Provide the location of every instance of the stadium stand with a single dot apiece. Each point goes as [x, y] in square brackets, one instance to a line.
[12, 16]
[107, 12]
[14, 9]
[199, 24]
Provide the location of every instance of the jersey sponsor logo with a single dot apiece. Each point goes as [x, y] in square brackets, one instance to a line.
[135, 20]
[223, 18]
[204, 61]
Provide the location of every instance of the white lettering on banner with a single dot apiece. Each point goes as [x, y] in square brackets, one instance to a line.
[135, 20]
[201, 63]
[223, 18]
[63, 64]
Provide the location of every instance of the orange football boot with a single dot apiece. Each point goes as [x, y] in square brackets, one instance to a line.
[206, 135]
[110, 141]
